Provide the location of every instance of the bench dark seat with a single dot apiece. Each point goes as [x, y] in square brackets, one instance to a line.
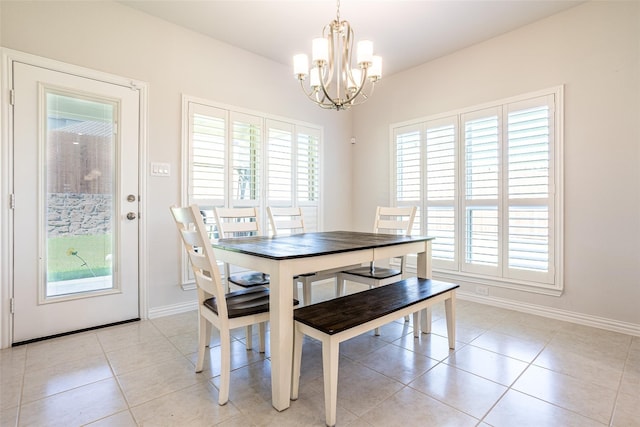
[339, 314]
[340, 319]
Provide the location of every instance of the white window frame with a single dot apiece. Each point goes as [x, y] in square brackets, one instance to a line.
[264, 121]
[550, 282]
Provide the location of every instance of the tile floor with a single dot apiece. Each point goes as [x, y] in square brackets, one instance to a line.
[508, 369]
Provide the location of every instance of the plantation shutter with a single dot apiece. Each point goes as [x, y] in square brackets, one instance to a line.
[490, 179]
[280, 171]
[481, 142]
[207, 136]
[530, 131]
[246, 159]
[408, 173]
[308, 175]
[441, 171]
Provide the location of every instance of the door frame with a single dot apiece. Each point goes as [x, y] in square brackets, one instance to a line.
[6, 177]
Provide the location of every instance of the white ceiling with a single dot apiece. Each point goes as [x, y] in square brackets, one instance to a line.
[405, 33]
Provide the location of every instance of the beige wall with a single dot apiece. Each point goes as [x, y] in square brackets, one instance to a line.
[107, 36]
[592, 49]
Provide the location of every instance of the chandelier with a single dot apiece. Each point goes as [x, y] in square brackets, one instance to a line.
[333, 82]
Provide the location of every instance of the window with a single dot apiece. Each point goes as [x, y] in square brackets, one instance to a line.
[234, 158]
[487, 181]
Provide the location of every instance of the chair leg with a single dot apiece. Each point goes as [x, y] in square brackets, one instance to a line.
[262, 327]
[306, 290]
[225, 359]
[340, 286]
[298, 339]
[330, 354]
[295, 288]
[249, 337]
[204, 336]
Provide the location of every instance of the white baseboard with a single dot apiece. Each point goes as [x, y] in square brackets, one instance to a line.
[168, 310]
[554, 313]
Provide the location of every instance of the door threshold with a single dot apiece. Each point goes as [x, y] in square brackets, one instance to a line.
[15, 344]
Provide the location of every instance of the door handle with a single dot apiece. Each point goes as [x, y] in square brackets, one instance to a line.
[131, 216]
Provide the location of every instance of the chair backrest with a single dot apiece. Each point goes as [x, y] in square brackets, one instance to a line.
[394, 220]
[237, 222]
[193, 234]
[285, 220]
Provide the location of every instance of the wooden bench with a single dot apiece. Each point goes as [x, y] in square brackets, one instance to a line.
[340, 319]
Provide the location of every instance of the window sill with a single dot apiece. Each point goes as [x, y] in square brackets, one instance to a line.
[472, 279]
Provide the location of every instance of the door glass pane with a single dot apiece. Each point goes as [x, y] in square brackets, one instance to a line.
[79, 203]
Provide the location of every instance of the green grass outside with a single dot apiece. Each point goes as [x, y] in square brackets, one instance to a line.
[62, 264]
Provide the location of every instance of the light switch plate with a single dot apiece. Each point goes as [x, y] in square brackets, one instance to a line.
[160, 169]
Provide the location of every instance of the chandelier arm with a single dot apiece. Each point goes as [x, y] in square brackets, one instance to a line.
[310, 94]
[362, 84]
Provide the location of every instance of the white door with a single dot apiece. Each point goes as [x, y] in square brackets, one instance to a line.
[75, 225]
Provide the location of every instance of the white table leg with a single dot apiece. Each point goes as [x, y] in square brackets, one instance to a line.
[281, 336]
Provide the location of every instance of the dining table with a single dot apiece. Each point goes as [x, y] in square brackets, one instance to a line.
[285, 256]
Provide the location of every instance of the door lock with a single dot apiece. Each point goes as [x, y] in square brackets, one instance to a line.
[131, 216]
[131, 198]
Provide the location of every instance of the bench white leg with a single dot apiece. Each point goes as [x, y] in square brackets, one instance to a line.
[298, 339]
[330, 354]
[416, 324]
[450, 309]
[425, 321]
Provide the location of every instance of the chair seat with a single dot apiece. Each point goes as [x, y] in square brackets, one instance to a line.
[376, 273]
[244, 302]
[250, 279]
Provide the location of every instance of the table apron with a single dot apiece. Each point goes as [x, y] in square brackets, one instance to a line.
[296, 265]
[398, 250]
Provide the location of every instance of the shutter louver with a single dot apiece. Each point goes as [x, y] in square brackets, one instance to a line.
[441, 189]
[308, 176]
[528, 137]
[482, 161]
[207, 154]
[408, 185]
[529, 238]
[528, 188]
[246, 160]
[280, 165]
[307, 168]
[408, 175]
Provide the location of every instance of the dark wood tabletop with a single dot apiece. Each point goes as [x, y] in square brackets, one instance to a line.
[311, 244]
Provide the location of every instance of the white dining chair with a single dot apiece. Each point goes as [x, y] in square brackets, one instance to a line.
[240, 222]
[290, 220]
[389, 220]
[223, 310]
